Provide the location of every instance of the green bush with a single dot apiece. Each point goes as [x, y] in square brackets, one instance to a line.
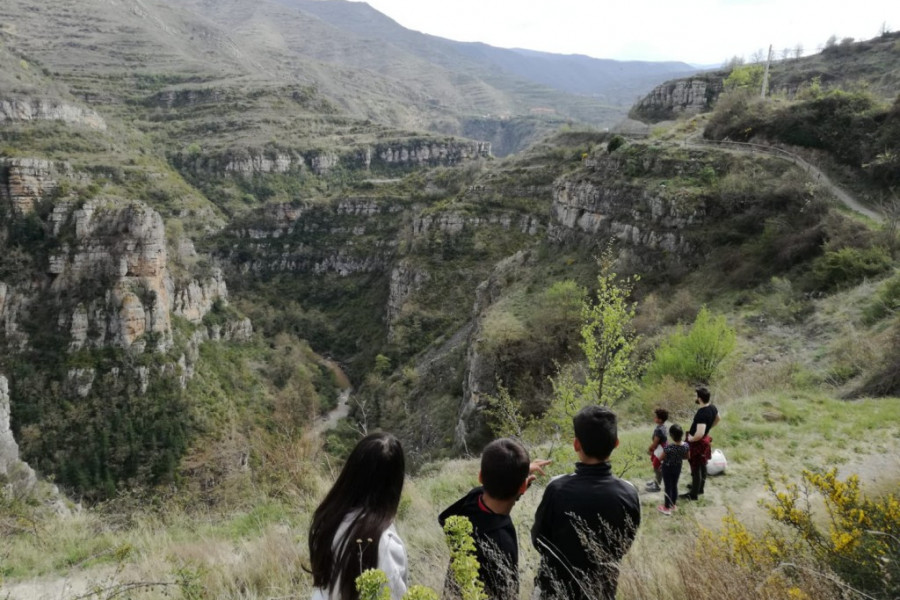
[848, 266]
[745, 76]
[694, 356]
[615, 143]
[886, 301]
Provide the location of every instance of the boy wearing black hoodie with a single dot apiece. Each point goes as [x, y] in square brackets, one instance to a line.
[505, 475]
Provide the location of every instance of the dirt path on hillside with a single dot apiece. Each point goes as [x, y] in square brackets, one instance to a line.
[73, 585]
[814, 172]
[330, 420]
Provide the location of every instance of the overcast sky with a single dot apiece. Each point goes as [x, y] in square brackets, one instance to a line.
[694, 31]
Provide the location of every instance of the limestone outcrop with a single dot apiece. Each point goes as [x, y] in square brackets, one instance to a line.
[637, 217]
[122, 243]
[41, 109]
[107, 272]
[25, 181]
[599, 201]
[427, 152]
[480, 374]
[406, 279]
[454, 223]
[16, 477]
[688, 96]
[196, 299]
[404, 154]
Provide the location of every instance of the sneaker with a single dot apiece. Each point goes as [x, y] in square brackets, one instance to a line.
[653, 487]
[666, 511]
[686, 496]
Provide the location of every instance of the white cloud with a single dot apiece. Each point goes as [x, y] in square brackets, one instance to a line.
[698, 31]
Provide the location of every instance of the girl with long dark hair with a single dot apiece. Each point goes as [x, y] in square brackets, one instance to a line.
[352, 529]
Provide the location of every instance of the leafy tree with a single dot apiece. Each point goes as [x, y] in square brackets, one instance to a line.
[745, 77]
[608, 342]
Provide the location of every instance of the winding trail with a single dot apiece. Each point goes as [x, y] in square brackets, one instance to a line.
[814, 172]
[331, 419]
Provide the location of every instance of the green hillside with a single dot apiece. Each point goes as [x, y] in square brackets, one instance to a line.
[220, 233]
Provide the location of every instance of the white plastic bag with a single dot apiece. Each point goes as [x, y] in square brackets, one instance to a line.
[717, 463]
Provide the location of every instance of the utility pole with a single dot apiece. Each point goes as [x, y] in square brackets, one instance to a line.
[765, 81]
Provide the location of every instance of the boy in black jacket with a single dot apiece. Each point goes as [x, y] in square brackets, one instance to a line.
[505, 475]
[587, 520]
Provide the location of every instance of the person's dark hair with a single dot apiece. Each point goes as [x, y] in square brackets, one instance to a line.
[703, 394]
[504, 466]
[676, 432]
[367, 490]
[596, 430]
[661, 414]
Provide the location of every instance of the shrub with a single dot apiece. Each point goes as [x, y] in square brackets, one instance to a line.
[886, 379]
[615, 143]
[848, 266]
[694, 356]
[862, 541]
[886, 301]
[372, 585]
[463, 564]
[744, 76]
[742, 561]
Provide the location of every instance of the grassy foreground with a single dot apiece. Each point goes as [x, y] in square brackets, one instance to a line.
[253, 545]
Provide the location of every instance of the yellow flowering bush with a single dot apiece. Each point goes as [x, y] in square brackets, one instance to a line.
[738, 563]
[860, 540]
[852, 548]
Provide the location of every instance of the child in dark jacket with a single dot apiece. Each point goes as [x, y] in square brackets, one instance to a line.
[675, 452]
[505, 475]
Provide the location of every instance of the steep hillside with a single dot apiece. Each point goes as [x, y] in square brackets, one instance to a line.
[874, 64]
[114, 52]
[615, 83]
[227, 225]
[191, 223]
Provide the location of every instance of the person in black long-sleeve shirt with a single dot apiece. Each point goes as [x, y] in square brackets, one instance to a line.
[505, 475]
[587, 520]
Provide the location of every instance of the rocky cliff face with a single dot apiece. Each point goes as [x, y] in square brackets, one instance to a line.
[245, 163]
[428, 153]
[679, 97]
[25, 181]
[599, 201]
[453, 223]
[37, 109]
[638, 217]
[107, 268]
[406, 280]
[122, 243]
[480, 375]
[15, 476]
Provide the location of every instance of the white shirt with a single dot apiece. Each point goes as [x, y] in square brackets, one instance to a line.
[391, 560]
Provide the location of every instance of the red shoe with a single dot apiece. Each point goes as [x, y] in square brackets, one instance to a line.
[666, 511]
